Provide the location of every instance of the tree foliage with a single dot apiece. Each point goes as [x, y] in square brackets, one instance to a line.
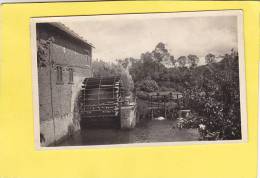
[182, 61]
[210, 58]
[193, 60]
[160, 52]
[105, 69]
[211, 90]
[217, 98]
[149, 85]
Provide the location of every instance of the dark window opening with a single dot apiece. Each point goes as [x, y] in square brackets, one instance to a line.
[59, 75]
[70, 76]
[88, 58]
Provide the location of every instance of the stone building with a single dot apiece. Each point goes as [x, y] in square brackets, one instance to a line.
[64, 60]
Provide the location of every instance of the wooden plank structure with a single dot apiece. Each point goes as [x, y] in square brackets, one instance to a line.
[101, 102]
[163, 104]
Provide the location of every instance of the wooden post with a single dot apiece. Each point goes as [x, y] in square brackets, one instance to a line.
[151, 106]
[164, 98]
[178, 101]
[158, 103]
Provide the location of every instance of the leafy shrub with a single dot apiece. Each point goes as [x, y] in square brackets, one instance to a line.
[218, 99]
[142, 95]
[149, 85]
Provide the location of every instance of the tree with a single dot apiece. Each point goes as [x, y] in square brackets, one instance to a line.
[182, 60]
[218, 98]
[126, 62]
[193, 60]
[173, 60]
[210, 58]
[104, 69]
[136, 70]
[162, 47]
[127, 82]
[146, 57]
[160, 52]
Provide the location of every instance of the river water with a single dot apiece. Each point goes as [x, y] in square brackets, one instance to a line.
[146, 132]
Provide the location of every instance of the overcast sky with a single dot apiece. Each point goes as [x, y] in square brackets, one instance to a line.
[121, 36]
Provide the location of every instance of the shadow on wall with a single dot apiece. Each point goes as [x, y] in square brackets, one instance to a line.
[75, 125]
[55, 130]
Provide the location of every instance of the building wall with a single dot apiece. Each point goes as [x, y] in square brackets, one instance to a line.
[58, 100]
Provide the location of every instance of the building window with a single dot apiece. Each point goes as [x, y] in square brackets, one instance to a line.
[70, 76]
[88, 58]
[59, 75]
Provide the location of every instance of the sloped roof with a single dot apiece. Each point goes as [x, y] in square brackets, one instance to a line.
[66, 29]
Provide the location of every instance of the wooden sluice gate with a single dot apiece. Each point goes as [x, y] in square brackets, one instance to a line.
[164, 104]
[102, 103]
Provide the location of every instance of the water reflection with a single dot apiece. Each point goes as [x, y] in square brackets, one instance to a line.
[145, 132]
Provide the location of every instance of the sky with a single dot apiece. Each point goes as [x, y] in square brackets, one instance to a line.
[122, 36]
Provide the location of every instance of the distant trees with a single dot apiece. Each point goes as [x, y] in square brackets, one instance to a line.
[136, 70]
[182, 60]
[105, 69]
[193, 60]
[147, 57]
[173, 60]
[160, 52]
[210, 58]
[124, 62]
[150, 63]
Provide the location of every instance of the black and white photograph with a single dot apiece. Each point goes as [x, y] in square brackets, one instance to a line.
[139, 79]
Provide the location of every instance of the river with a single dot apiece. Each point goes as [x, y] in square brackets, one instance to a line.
[146, 132]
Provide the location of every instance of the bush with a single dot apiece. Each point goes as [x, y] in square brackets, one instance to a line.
[218, 100]
[142, 95]
[149, 85]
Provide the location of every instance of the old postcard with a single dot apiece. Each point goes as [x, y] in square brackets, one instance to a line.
[138, 79]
